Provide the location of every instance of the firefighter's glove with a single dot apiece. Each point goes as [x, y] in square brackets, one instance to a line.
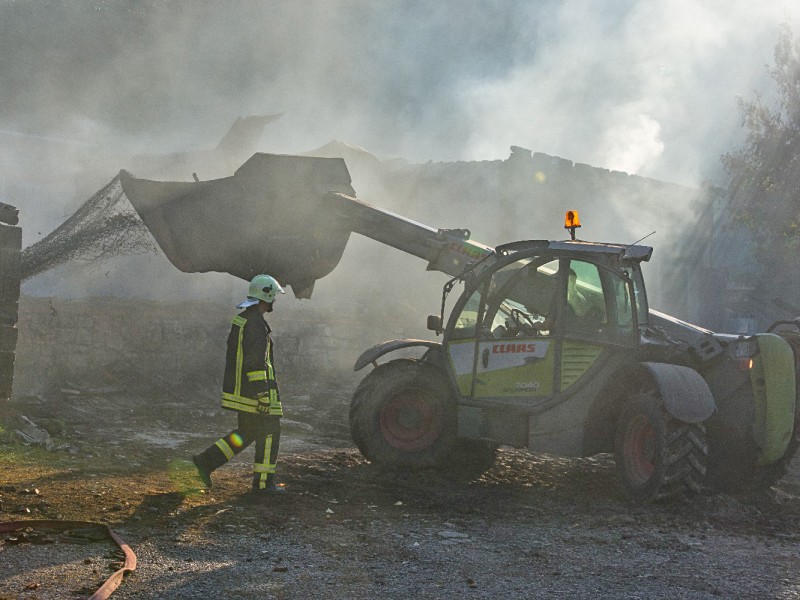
[263, 402]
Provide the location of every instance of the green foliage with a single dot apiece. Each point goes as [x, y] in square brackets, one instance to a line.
[765, 170]
[6, 435]
[12, 450]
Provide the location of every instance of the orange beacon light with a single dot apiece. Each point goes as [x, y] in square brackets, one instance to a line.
[572, 221]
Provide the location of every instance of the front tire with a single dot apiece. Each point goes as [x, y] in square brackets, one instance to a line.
[658, 456]
[733, 460]
[403, 413]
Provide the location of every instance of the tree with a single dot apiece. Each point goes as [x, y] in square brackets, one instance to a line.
[765, 171]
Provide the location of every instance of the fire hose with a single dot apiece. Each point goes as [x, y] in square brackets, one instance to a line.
[110, 584]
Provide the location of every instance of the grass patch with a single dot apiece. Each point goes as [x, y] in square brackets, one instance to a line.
[183, 476]
[14, 451]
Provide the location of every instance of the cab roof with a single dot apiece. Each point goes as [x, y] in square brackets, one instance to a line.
[621, 251]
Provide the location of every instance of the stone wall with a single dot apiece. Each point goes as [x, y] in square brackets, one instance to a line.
[116, 342]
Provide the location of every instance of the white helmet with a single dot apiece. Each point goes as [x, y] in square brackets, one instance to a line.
[262, 287]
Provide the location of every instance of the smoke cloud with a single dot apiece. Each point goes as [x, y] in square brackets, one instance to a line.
[645, 88]
[649, 88]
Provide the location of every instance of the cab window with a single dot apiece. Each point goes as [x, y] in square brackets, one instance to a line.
[598, 304]
[467, 320]
[585, 306]
[639, 294]
[520, 298]
[623, 305]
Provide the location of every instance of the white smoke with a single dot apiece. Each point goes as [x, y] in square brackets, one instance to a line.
[643, 87]
[632, 85]
[648, 88]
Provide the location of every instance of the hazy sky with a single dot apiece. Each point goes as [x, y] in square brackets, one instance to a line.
[647, 87]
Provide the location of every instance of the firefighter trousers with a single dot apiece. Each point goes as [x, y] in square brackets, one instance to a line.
[262, 430]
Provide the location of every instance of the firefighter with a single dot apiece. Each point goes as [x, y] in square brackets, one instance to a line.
[249, 387]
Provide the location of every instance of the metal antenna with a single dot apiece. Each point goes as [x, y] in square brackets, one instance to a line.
[640, 239]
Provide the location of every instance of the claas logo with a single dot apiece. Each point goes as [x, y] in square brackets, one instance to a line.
[512, 348]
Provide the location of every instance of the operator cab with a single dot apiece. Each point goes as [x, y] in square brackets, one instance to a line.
[531, 325]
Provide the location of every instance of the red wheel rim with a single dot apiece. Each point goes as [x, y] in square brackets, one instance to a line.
[640, 450]
[410, 422]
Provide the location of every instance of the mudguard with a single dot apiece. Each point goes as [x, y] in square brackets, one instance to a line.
[685, 393]
[774, 387]
[370, 355]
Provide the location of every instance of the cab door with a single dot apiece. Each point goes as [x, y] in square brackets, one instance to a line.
[598, 316]
[515, 353]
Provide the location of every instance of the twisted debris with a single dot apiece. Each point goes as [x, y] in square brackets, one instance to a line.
[106, 225]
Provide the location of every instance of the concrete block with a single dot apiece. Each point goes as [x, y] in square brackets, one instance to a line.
[9, 289]
[9, 313]
[8, 338]
[9, 214]
[10, 236]
[7, 360]
[9, 261]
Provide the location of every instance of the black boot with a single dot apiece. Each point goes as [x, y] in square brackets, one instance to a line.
[208, 461]
[203, 470]
[271, 489]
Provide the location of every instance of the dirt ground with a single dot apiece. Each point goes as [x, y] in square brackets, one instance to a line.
[534, 526]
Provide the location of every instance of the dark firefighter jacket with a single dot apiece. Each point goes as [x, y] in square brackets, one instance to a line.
[249, 379]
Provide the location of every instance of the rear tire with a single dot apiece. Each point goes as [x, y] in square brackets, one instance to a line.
[404, 414]
[658, 456]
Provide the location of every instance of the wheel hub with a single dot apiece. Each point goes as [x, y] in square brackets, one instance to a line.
[640, 450]
[409, 421]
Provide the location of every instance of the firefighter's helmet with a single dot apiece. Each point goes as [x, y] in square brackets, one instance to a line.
[262, 287]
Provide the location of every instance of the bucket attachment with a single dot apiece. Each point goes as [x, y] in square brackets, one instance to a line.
[269, 217]
[287, 216]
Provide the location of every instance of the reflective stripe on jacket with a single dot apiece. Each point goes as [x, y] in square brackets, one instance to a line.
[249, 373]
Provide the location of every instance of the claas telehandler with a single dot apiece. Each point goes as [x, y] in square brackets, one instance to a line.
[550, 346]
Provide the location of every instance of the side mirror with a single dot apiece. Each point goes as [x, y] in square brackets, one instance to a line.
[435, 323]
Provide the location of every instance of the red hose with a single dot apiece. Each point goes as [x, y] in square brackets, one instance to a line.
[112, 582]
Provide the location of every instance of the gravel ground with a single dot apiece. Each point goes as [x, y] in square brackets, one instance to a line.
[534, 526]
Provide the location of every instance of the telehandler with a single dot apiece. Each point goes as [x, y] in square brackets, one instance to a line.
[550, 346]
